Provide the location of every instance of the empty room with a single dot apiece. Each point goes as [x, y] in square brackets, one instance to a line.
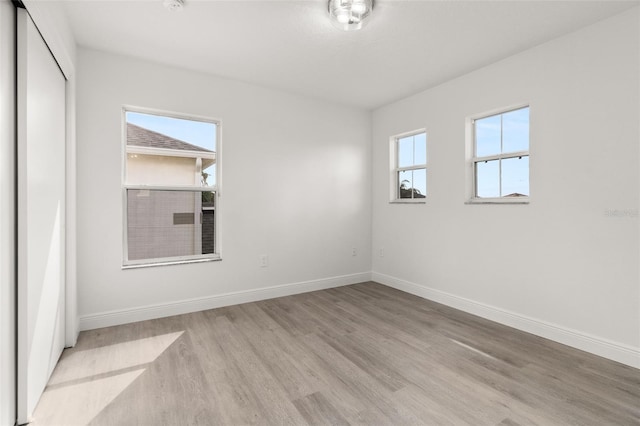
[319, 212]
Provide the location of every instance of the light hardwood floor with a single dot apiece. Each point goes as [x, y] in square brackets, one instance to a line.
[361, 354]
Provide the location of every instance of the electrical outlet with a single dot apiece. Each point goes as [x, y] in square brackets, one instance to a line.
[263, 260]
[381, 252]
[354, 251]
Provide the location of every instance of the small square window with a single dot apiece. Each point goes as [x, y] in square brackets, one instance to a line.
[410, 166]
[500, 159]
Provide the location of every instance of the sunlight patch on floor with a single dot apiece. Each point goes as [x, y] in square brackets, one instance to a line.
[81, 401]
[86, 381]
[107, 359]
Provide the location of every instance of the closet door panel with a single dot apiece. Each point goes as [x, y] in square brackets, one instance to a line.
[41, 214]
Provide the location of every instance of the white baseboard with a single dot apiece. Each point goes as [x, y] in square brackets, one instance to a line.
[615, 351]
[142, 313]
[596, 345]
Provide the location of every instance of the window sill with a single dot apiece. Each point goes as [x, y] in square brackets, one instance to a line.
[216, 258]
[408, 201]
[498, 201]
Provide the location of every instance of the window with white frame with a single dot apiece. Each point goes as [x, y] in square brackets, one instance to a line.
[170, 183]
[410, 166]
[501, 155]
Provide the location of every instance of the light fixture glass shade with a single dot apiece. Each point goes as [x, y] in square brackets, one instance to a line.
[174, 5]
[350, 15]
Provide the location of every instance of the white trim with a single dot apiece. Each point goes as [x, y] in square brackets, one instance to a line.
[49, 30]
[171, 114]
[497, 111]
[171, 188]
[501, 156]
[166, 261]
[409, 201]
[22, 318]
[161, 310]
[619, 352]
[7, 213]
[409, 133]
[503, 200]
[72, 321]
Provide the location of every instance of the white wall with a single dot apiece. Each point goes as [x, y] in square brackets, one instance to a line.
[7, 215]
[561, 266]
[295, 186]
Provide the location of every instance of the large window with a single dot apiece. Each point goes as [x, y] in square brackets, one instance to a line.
[409, 166]
[170, 183]
[501, 156]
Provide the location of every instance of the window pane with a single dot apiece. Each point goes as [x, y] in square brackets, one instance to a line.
[515, 177]
[405, 183]
[515, 130]
[488, 179]
[170, 151]
[487, 134]
[163, 224]
[420, 142]
[200, 134]
[405, 152]
[419, 183]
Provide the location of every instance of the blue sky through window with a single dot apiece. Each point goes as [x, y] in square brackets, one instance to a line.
[412, 150]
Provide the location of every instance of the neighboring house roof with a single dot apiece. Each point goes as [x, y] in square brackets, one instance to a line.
[515, 194]
[139, 136]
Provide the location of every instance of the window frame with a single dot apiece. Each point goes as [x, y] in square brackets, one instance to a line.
[396, 169]
[215, 189]
[472, 197]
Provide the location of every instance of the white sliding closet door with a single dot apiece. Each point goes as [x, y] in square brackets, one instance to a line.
[41, 214]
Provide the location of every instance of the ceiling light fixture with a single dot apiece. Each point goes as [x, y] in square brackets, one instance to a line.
[174, 5]
[349, 15]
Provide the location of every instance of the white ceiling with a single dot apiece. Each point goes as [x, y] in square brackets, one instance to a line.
[408, 46]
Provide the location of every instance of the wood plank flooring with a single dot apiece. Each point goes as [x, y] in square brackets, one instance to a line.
[360, 354]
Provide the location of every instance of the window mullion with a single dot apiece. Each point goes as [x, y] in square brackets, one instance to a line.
[501, 134]
[170, 188]
[409, 168]
[413, 145]
[501, 153]
[412, 175]
[515, 154]
[500, 176]
[487, 158]
[504, 156]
